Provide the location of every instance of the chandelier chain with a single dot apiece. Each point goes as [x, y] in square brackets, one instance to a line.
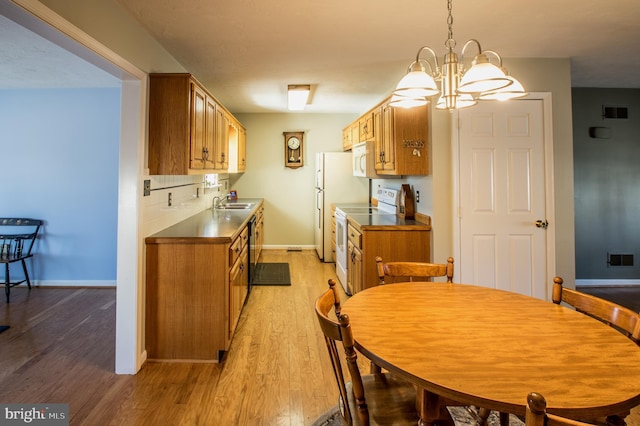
[450, 43]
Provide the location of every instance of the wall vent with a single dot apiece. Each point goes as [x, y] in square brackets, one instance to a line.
[620, 259]
[615, 112]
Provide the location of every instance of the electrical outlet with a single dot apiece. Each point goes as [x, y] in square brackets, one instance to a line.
[197, 192]
[169, 200]
[417, 196]
[147, 188]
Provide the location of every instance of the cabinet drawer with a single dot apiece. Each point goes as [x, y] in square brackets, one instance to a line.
[235, 249]
[354, 236]
[244, 236]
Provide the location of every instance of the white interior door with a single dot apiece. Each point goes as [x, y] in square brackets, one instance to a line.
[503, 174]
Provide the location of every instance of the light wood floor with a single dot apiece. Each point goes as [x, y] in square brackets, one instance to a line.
[60, 349]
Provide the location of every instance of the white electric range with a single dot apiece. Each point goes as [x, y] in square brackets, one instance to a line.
[387, 205]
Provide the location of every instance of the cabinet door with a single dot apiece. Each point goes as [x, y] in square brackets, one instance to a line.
[238, 283]
[221, 140]
[354, 268]
[367, 128]
[347, 144]
[198, 148]
[386, 155]
[210, 132]
[356, 263]
[242, 149]
[259, 235]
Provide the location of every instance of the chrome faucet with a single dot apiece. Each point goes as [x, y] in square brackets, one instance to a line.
[216, 202]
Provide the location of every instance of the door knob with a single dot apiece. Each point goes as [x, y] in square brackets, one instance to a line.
[542, 224]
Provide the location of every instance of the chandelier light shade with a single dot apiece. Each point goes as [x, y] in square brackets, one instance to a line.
[407, 102]
[485, 78]
[513, 91]
[298, 96]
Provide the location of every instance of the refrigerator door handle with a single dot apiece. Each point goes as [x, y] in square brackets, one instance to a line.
[319, 207]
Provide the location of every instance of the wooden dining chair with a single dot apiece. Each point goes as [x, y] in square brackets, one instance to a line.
[370, 399]
[536, 414]
[17, 238]
[620, 318]
[390, 272]
[623, 319]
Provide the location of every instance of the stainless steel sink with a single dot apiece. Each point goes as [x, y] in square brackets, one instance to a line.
[235, 206]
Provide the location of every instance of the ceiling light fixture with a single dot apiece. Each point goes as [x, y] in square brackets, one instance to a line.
[458, 88]
[298, 96]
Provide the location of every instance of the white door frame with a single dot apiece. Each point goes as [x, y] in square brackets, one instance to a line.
[549, 184]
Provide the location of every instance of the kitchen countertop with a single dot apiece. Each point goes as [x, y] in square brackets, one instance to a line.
[386, 222]
[208, 226]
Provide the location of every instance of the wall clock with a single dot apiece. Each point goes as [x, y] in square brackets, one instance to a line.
[293, 143]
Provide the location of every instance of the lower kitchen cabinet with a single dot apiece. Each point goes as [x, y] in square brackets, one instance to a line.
[354, 261]
[392, 243]
[195, 291]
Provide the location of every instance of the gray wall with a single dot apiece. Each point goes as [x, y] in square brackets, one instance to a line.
[607, 183]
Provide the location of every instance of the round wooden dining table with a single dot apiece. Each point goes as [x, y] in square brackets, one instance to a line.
[490, 348]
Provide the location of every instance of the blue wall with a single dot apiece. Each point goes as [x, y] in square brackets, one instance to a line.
[59, 162]
[607, 183]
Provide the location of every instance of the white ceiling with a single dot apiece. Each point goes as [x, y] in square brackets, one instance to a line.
[353, 52]
[30, 61]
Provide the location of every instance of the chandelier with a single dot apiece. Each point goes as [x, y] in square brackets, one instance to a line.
[459, 88]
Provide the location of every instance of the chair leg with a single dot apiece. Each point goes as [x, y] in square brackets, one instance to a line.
[26, 274]
[7, 286]
[483, 415]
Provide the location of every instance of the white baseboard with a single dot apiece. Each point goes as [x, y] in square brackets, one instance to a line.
[73, 283]
[606, 283]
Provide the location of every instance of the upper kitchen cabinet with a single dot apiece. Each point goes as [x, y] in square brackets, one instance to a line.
[400, 136]
[350, 136]
[237, 147]
[188, 129]
[404, 145]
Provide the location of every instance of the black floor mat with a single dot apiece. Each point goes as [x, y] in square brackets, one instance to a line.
[271, 274]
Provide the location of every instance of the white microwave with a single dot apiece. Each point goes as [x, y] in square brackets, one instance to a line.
[364, 159]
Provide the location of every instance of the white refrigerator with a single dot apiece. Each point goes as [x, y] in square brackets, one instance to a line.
[335, 183]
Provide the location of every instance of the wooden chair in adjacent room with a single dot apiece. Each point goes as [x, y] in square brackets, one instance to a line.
[17, 237]
[623, 319]
[390, 272]
[370, 399]
[536, 414]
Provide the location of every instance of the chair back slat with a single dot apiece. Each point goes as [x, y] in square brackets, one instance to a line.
[617, 316]
[17, 237]
[389, 272]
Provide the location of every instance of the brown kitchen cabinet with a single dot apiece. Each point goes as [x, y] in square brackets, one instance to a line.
[237, 137]
[366, 128]
[354, 260]
[188, 127]
[238, 278]
[392, 243]
[259, 241]
[347, 143]
[404, 148]
[400, 136]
